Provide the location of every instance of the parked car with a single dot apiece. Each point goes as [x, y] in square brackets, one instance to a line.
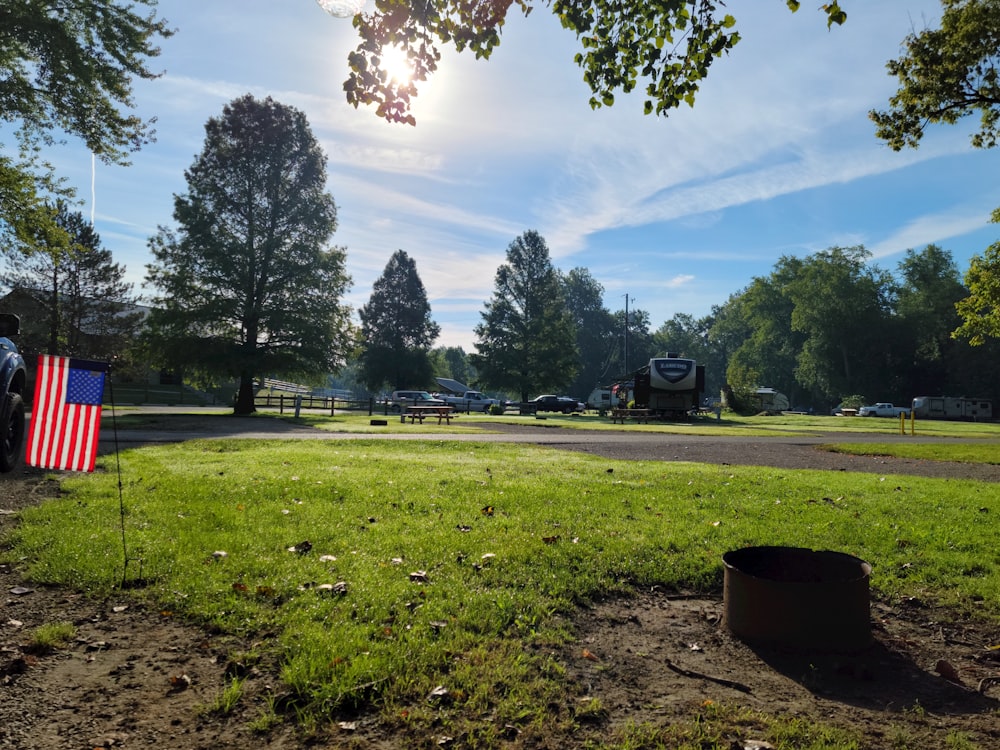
[400, 399]
[549, 402]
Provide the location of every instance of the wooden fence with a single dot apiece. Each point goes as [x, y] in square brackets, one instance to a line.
[293, 401]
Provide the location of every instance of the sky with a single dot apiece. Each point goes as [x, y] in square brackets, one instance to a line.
[777, 157]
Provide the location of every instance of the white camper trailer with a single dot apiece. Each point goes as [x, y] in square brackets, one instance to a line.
[952, 407]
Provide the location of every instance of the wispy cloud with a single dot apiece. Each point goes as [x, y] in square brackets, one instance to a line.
[931, 229]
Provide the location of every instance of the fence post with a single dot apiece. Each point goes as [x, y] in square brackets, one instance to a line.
[298, 405]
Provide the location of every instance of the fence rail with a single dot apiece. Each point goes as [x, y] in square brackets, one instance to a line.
[292, 402]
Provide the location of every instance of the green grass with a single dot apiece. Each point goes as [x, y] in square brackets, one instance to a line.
[51, 636]
[455, 562]
[961, 453]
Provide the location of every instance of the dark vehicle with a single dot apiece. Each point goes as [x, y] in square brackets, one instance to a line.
[565, 404]
[401, 399]
[12, 378]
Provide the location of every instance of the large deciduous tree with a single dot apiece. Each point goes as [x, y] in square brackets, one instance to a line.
[67, 68]
[980, 311]
[77, 300]
[247, 285]
[929, 287]
[842, 306]
[769, 355]
[452, 362]
[946, 74]
[526, 341]
[595, 328]
[666, 45]
[397, 329]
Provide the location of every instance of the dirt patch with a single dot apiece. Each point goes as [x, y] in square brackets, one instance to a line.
[136, 677]
[653, 657]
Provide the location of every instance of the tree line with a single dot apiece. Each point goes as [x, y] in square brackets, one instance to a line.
[248, 284]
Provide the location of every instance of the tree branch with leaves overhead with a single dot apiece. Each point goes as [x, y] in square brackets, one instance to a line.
[667, 46]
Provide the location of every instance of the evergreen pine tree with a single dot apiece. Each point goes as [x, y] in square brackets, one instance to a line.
[397, 329]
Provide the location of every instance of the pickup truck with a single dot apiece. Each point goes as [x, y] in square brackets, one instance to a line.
[883, 409]
[468, 401]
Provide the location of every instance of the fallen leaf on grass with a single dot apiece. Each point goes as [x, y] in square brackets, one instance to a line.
[419, 576]
[339, 588]
[348, 726]
[588, 654]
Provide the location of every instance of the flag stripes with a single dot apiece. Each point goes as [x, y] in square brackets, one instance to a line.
[66, 414]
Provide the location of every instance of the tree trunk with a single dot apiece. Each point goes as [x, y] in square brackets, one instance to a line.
[54, 323]
[244, 397]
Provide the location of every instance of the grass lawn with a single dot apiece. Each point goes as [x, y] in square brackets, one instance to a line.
[374, 571]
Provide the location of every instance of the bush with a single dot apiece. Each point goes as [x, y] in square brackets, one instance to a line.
[853, 402]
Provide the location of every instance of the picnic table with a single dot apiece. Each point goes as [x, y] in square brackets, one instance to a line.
[619, 415]
[420, 413]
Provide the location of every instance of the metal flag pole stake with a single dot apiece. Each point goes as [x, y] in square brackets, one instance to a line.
[118, 468]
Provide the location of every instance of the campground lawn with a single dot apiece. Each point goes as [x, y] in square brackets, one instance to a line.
[372, 573]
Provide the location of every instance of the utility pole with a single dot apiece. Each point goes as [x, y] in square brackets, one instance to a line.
[626, 333]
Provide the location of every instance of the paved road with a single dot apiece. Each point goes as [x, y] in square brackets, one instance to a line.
[798, 452]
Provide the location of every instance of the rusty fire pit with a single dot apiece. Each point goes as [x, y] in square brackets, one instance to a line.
[796, 597]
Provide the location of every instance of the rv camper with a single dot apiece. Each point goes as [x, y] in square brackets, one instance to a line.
[670, 386]
[952, 407]
[771, 400]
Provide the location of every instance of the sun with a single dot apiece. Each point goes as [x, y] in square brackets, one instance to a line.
[396, 65]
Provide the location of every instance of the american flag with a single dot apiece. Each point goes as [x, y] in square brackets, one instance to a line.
[66, 414]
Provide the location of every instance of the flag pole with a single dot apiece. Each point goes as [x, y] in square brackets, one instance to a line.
[118, 466]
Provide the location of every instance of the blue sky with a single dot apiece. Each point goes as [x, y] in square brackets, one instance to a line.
[777, 157]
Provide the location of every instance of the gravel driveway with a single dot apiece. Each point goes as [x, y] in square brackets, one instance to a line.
[800, 452]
